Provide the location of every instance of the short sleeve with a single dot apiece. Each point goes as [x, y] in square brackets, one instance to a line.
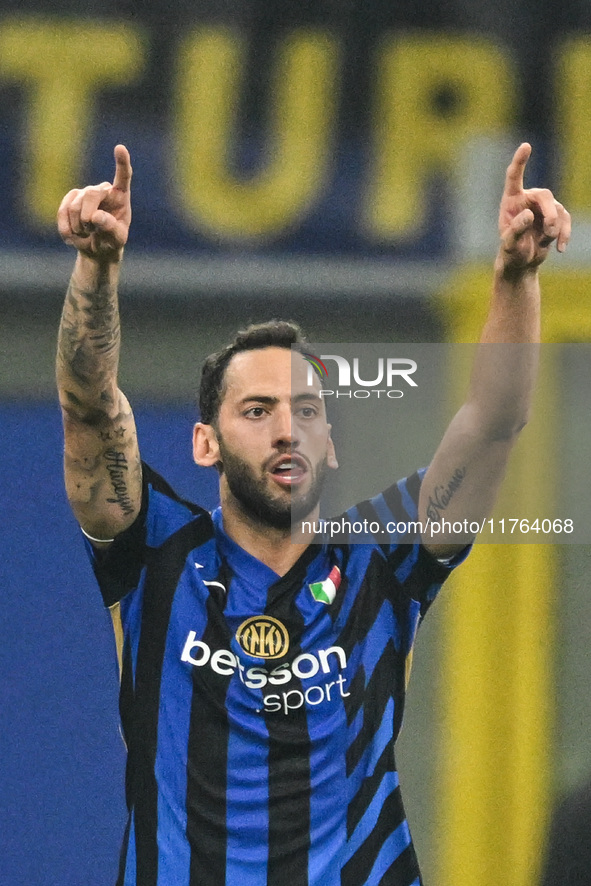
[394, 528]
[118, 568]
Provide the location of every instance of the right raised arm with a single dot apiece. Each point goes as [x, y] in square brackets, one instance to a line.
[101, 457]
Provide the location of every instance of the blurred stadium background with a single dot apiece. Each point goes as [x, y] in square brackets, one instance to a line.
[338, 163]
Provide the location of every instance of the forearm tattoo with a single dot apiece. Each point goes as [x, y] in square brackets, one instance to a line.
[88, 344]
[103, 469]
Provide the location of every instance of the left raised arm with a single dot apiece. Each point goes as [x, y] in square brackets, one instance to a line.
[464, 477]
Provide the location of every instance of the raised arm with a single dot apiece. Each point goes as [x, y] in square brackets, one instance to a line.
[101, 457]
[464, 477]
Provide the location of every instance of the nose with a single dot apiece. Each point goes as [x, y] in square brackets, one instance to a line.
[284, 429]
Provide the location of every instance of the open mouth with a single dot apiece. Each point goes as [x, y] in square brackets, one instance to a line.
[289, 470]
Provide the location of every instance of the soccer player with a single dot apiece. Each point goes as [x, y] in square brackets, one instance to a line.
[262, 680]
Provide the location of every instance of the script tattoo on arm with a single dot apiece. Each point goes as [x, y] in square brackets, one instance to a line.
[102, 461]
[442, 495]
[117, 467]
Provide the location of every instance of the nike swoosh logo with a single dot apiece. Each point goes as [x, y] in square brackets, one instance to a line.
[215, 584]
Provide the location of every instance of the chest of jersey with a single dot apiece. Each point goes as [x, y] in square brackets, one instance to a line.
[255, 653]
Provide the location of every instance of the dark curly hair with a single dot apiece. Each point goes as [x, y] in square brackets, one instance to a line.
[273, 334]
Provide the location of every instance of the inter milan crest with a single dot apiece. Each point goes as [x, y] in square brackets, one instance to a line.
[263, 637]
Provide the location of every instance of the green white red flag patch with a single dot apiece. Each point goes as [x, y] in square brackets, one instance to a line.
[325, 591]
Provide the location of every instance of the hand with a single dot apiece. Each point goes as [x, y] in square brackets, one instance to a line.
[529, 220]
[96, 219]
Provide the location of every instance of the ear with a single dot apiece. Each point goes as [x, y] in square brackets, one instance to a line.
[206, 449]
[331, 456]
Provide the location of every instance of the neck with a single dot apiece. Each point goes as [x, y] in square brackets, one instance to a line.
[273, 547]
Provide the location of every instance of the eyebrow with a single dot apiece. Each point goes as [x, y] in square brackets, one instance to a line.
[309, 395]
[271, 401]
[259, 398]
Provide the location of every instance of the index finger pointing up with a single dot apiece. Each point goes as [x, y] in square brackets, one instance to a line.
[123, 170]
[516, 169]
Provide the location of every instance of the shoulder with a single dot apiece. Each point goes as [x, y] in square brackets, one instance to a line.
[166, 529]
[388, 517]
[164, 512]
[402, 497]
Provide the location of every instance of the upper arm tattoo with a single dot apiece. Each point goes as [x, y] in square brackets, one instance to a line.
[117, 468]
[442, 495]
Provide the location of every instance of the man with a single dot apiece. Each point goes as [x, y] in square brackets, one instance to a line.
[263, 681]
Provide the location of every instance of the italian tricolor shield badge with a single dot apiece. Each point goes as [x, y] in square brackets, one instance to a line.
[325, 591]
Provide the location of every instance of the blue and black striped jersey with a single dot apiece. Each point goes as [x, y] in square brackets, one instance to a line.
[260, 712]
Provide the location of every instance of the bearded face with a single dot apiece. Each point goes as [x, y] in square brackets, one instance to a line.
[271, 440]
[274, 502]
